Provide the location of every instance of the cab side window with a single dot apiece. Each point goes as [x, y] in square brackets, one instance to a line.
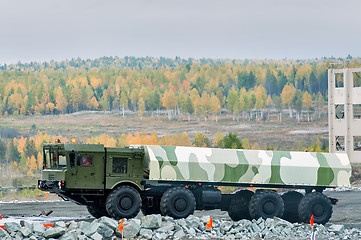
[62, 160]
[85, 160]
[120, 165]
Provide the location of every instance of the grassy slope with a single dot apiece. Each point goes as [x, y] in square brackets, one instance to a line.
[287, 135]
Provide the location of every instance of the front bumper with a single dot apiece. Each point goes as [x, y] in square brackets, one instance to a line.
[53, 186]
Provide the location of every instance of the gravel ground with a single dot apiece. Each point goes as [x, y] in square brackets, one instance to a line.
[347, 212]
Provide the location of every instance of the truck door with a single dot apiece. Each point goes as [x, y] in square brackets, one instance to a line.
[119, 168]
[124, 165]
[87, 170]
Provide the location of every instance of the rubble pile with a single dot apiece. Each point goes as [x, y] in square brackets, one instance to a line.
[156, 227]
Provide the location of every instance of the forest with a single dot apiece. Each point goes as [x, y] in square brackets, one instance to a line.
[203, 87]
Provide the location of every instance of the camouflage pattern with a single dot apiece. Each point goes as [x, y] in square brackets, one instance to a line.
[248, 166]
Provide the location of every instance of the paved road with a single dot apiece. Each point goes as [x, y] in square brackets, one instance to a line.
[347, 212]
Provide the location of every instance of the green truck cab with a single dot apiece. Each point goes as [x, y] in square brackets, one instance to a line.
[174, 181]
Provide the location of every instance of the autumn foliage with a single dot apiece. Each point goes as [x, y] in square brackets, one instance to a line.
[180, 86]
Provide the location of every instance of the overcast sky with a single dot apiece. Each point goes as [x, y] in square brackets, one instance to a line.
[45, 30]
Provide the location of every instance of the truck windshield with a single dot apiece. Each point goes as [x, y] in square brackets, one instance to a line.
[54, 159]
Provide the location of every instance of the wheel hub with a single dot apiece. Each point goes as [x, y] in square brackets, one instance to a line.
[126, 203]
[180, 204]
[318, 209]
[269, 207]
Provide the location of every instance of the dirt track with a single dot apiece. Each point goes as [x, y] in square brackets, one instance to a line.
[347, 212]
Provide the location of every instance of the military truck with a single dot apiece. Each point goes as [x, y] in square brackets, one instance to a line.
[174, 181]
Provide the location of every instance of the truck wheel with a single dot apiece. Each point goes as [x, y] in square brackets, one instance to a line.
[177, 202]
[97, 211]
[238, 208]
[123, 202]
[316, 204]
[266, 204]
[291, 200]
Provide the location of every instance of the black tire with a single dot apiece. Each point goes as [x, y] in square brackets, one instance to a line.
[291, 201]
[238, 208]
[97, 211]
[316, 204]
[266, 204]
[123, 202]
[177, 202]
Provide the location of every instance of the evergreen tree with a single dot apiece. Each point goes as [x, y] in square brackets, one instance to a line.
[297, 103]
[30, 149]
[232, 141]
[251, 80]
[281, 82]
[243, 80]
[14, 154]
[186, 106]
[2, 154]
[153, 100]
[271, 83]
[314, 83]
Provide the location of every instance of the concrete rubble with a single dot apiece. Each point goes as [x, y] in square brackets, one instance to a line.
[156, 227]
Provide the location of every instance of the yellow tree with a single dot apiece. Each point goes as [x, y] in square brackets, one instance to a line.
[165, 140]
[49, 108]
[307, 103]
[15, 101]
[269, 101]
[169, 101]
[21, 143]
[123, 100]
[196, 100]
[141, 108]
[233, 102]
[245, 143]
[320, 103]
[269, 104]
[95, 82]
[45, 100]
[205, 105]
[287, 95]
[218, 141]
[134, 97]
[180, 140]
[215, 106]
[31, 165]
[24, 109]
[94, 103]
[75, 98]
[261, 97]
[200, 140]
[144, 92]
[153, 138]
[40, 159]
[61, 103]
